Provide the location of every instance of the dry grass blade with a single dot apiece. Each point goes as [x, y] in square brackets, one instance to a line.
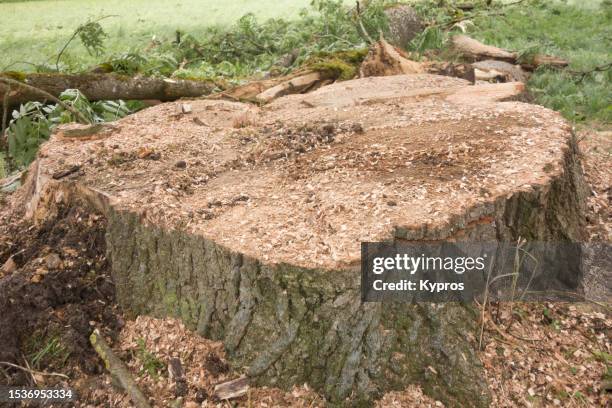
[32, 372]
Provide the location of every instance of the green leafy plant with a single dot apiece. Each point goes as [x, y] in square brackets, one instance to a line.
[92, 37]
[150, 364]
[431, 38]
[251, 47]
[33, 123]
[27, 130]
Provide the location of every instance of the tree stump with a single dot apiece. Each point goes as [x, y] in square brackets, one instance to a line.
[246, 221]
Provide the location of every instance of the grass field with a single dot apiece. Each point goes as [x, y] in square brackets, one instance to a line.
[34, 31]
[579, 30]
[581, 33]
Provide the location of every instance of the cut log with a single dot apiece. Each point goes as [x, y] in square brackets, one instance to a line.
[105, 87]
[266, 90]
[295, 85]
[499, 71]
[255, 240]
[539, 60]
[474, 50]
[383, 59]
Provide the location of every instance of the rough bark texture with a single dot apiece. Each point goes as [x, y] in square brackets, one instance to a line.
[292, 325]
[474, 50]
[404, 24]
[106, 87]
[289, 323]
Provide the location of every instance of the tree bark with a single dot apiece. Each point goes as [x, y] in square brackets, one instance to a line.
[98, 87]
[474, 50]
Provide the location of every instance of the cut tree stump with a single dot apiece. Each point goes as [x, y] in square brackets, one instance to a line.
[254, 239]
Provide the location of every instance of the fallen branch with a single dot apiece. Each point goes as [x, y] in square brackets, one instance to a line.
[474, 50]
[45, 94]
[5, 118]
[97, 87]
[74, 35]
[118, 370]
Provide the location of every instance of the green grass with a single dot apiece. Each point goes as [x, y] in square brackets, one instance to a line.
[582, 34]
[151, 365]
[35, 31]
[46, 351]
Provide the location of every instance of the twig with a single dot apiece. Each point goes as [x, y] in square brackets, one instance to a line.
[17, 62]
[5, 374]
[361, 26]
[25, 360]
[484, 303]
[466, 17]
[4, 116]
[76, 32]
[47, 95]
[599, 68]
[572, 294]
[511, 4]
[32, 372]
[59, 55]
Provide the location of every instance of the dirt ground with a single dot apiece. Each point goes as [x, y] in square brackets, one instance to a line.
[55, 288]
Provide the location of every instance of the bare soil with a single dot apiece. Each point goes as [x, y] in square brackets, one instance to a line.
[58, 292]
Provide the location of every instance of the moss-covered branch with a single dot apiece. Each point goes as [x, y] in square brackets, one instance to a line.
[98, 87]
[118, 370]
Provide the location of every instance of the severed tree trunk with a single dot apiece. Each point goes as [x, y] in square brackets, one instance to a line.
[255, 238]
[474, 50]
[104, 87]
